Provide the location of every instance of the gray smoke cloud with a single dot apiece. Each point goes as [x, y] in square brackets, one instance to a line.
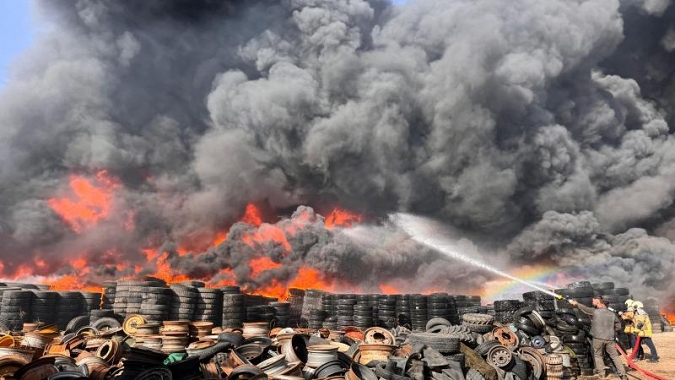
[540, 130]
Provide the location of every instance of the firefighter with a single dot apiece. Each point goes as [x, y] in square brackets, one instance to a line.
[628, 316]
[642, 327]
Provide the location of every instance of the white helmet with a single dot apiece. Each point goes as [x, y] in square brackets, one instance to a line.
[638, 305]
[629, 303]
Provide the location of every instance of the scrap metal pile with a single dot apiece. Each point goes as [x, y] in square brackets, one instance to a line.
[148, 330]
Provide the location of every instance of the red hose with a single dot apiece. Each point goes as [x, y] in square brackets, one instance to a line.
[632, 364]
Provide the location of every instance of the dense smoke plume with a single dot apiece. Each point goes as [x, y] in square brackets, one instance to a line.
[538, 129]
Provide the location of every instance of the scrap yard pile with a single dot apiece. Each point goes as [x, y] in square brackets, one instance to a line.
[148, 330]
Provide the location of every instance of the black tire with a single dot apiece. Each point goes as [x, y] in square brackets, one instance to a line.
[77, 323]
[445, 344]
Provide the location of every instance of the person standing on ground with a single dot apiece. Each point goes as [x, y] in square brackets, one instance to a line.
[603, 329]
[628, 318]
[642, 327]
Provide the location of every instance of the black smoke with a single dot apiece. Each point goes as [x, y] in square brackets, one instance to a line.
[540, 130]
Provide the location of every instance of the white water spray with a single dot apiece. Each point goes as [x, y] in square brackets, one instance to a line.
[427, 232]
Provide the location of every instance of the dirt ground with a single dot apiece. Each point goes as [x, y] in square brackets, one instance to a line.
[665, 368]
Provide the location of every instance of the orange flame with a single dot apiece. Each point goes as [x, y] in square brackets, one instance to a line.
[261, 264]
[341, 218]
[164, 270]
[252, 215]
[71, 282]
[88, 204]
[388, 289]
[265, 234]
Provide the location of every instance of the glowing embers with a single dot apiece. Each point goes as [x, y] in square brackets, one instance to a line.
[88, 201]
[341, 218]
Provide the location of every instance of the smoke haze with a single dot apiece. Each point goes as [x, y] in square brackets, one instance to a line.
[539, 130]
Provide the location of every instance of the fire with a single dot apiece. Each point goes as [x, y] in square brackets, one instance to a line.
[252, 215]
[341, 218]
[265, 234]
[261, 264]
[307, 278]
[388, 289]
[71, 282]
[164, 270]
[88, 203]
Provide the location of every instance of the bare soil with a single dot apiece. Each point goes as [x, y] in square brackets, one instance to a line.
[665, 368]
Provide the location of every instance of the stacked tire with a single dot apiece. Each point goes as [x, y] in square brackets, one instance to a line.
[571, 325]
[282, 312]
[68, 306]
[155, 303]
[183, 301]
[651, 306]
[581, 291]
[418, 312]
[541, 302]
[616, 297]
[234, 312]
[329, 304]
[43, 306]
[209, 306]
[465, 305]
[120, 301]
[478, 323]
[345, 310]
[403, 309]
[363, 313]
[505, 310]
[296, 299]
[90, 301]
[311, 301]
[386, 311]
[15, 309]
[108, 297]
[95, 315]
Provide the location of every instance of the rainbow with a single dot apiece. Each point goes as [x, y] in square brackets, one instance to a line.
[542, 276]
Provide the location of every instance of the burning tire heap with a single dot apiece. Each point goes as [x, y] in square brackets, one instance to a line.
[187, 331]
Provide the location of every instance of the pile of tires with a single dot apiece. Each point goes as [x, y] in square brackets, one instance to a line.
[43, 306]
[15, 308]
[363, 313]
[68, 306]
[282, 311]
[651, 306]
[386, 311]
[344, 310]
[505, 310]
[542, 302]
[234, 311]
[209, 306]
[296, 298]
[155, 303]
[109, 290]
[403, 309]
[311, 301]
[90, 301]
[418, 312]
[183, 302]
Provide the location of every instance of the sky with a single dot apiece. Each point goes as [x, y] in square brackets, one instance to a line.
[16, 29]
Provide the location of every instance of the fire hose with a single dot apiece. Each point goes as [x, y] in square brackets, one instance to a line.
[632, 364]
[629, 358]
